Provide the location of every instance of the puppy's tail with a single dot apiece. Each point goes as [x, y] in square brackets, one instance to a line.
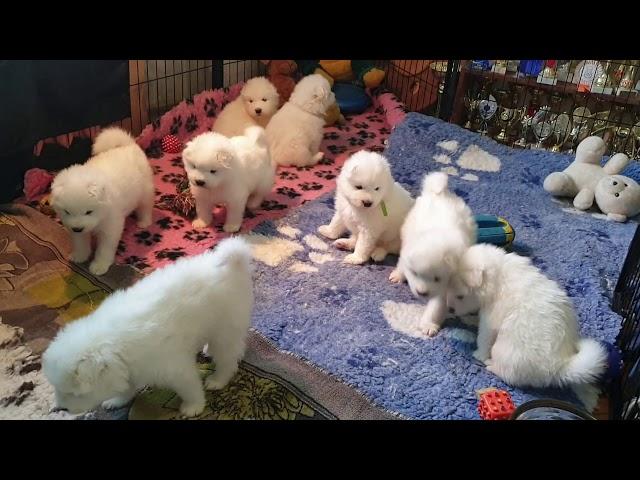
[256, 135]
[435, 183]
[110, 138]
[586, 366]
[234, 252]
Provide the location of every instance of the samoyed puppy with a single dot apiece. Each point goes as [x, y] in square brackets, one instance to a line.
[95, 198]
[150, 334]
[528, 331]
[370, 205]
[296, 130]
[437, 231]
[236, 171]
[256, 104]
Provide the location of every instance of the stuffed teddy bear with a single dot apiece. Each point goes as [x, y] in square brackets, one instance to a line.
[587, 181]
[280, 73]
[362, 71]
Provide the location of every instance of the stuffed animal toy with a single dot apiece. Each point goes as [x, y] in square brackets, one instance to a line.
[280, 73]
[587, 181]
[361, 71]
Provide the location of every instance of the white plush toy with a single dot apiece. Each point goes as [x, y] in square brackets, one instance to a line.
[586, 180]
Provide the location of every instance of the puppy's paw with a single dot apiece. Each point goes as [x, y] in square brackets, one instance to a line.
[430, 329]
[114, 403]
[396, 276]
[379, 254]
[231, 227]
[317, 157]
[344, 244]
[99, 267]
[493, 369]
[481, 356]
[354, 259]
[79, 257]
[217, 382]
[198, 224]
[144, 222]
[254, 203]
[192, 409]
[326, 231]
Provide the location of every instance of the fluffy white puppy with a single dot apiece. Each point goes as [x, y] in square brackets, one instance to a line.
[96, 197]
[233, 171]
[370, 205]
[150, 333]
[438, 230]
[528, 332]
[296, 130]
[256, 104]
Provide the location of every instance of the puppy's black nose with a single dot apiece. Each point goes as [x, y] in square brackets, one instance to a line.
[367, 204]
[200, 183]
[258, 111]
[423, 294]
[452, 310]
[77, 229]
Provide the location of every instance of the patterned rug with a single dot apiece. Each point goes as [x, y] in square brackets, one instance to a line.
[171, 235]
[40, 291]
[351, 321]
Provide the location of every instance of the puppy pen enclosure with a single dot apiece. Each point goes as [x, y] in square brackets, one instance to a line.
[524, 104]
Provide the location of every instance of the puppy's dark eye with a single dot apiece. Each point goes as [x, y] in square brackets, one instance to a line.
[88, 212]
[377, 188]
[615, 183]
[358, 187]
[264, 99]
[626, 185]
[436, 279]
[250, 101]
[459, 297]
[67, 212]
[212, 171]
[617, 194]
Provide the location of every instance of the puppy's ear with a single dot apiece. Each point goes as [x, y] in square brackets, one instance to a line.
[225, 159]
[186, 153]
[451, 261]
[88, 372]
[99, 367]
[473, 277]
[319, 93]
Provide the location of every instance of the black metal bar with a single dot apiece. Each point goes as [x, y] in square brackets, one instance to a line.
[450, 86]
[217, 71]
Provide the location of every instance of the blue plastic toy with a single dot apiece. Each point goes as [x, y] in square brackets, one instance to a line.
[495, 230]
[351, 98]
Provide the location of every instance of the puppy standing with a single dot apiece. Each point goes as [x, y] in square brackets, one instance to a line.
[237, 172]
[97, 197]
[528, 331]
[437, 231]
[371, 205]
[255, 106]
[150, 334]
[296, 130]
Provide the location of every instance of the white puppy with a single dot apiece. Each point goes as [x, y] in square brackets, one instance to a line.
[296, 130]
[528, 332]
[150, 333]
[97, 197]
[437, 231]
[255, 106]
[370, 205]
[234, 171]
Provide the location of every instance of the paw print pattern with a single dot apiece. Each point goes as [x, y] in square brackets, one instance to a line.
[174, 178]
[147, 238]
[374, 119]
[156, 169]
[154, 150]
[337, 149]
[168, 223]
[326, 174]
[121, 247]
[191, 124]
[155, 124]
[331, 136]
[306, 186]
[210, 107]
[248, 214]
[176, 162]
[197, 235]
[137, 262]
[270, 205]
[326, 161]
[170, 253]
[288, 175]
[303, 169]
[175, 125]
[384, 131]
[289, 192]
[366, 134]
[189, 101]
[354, 141]
[361, 125]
